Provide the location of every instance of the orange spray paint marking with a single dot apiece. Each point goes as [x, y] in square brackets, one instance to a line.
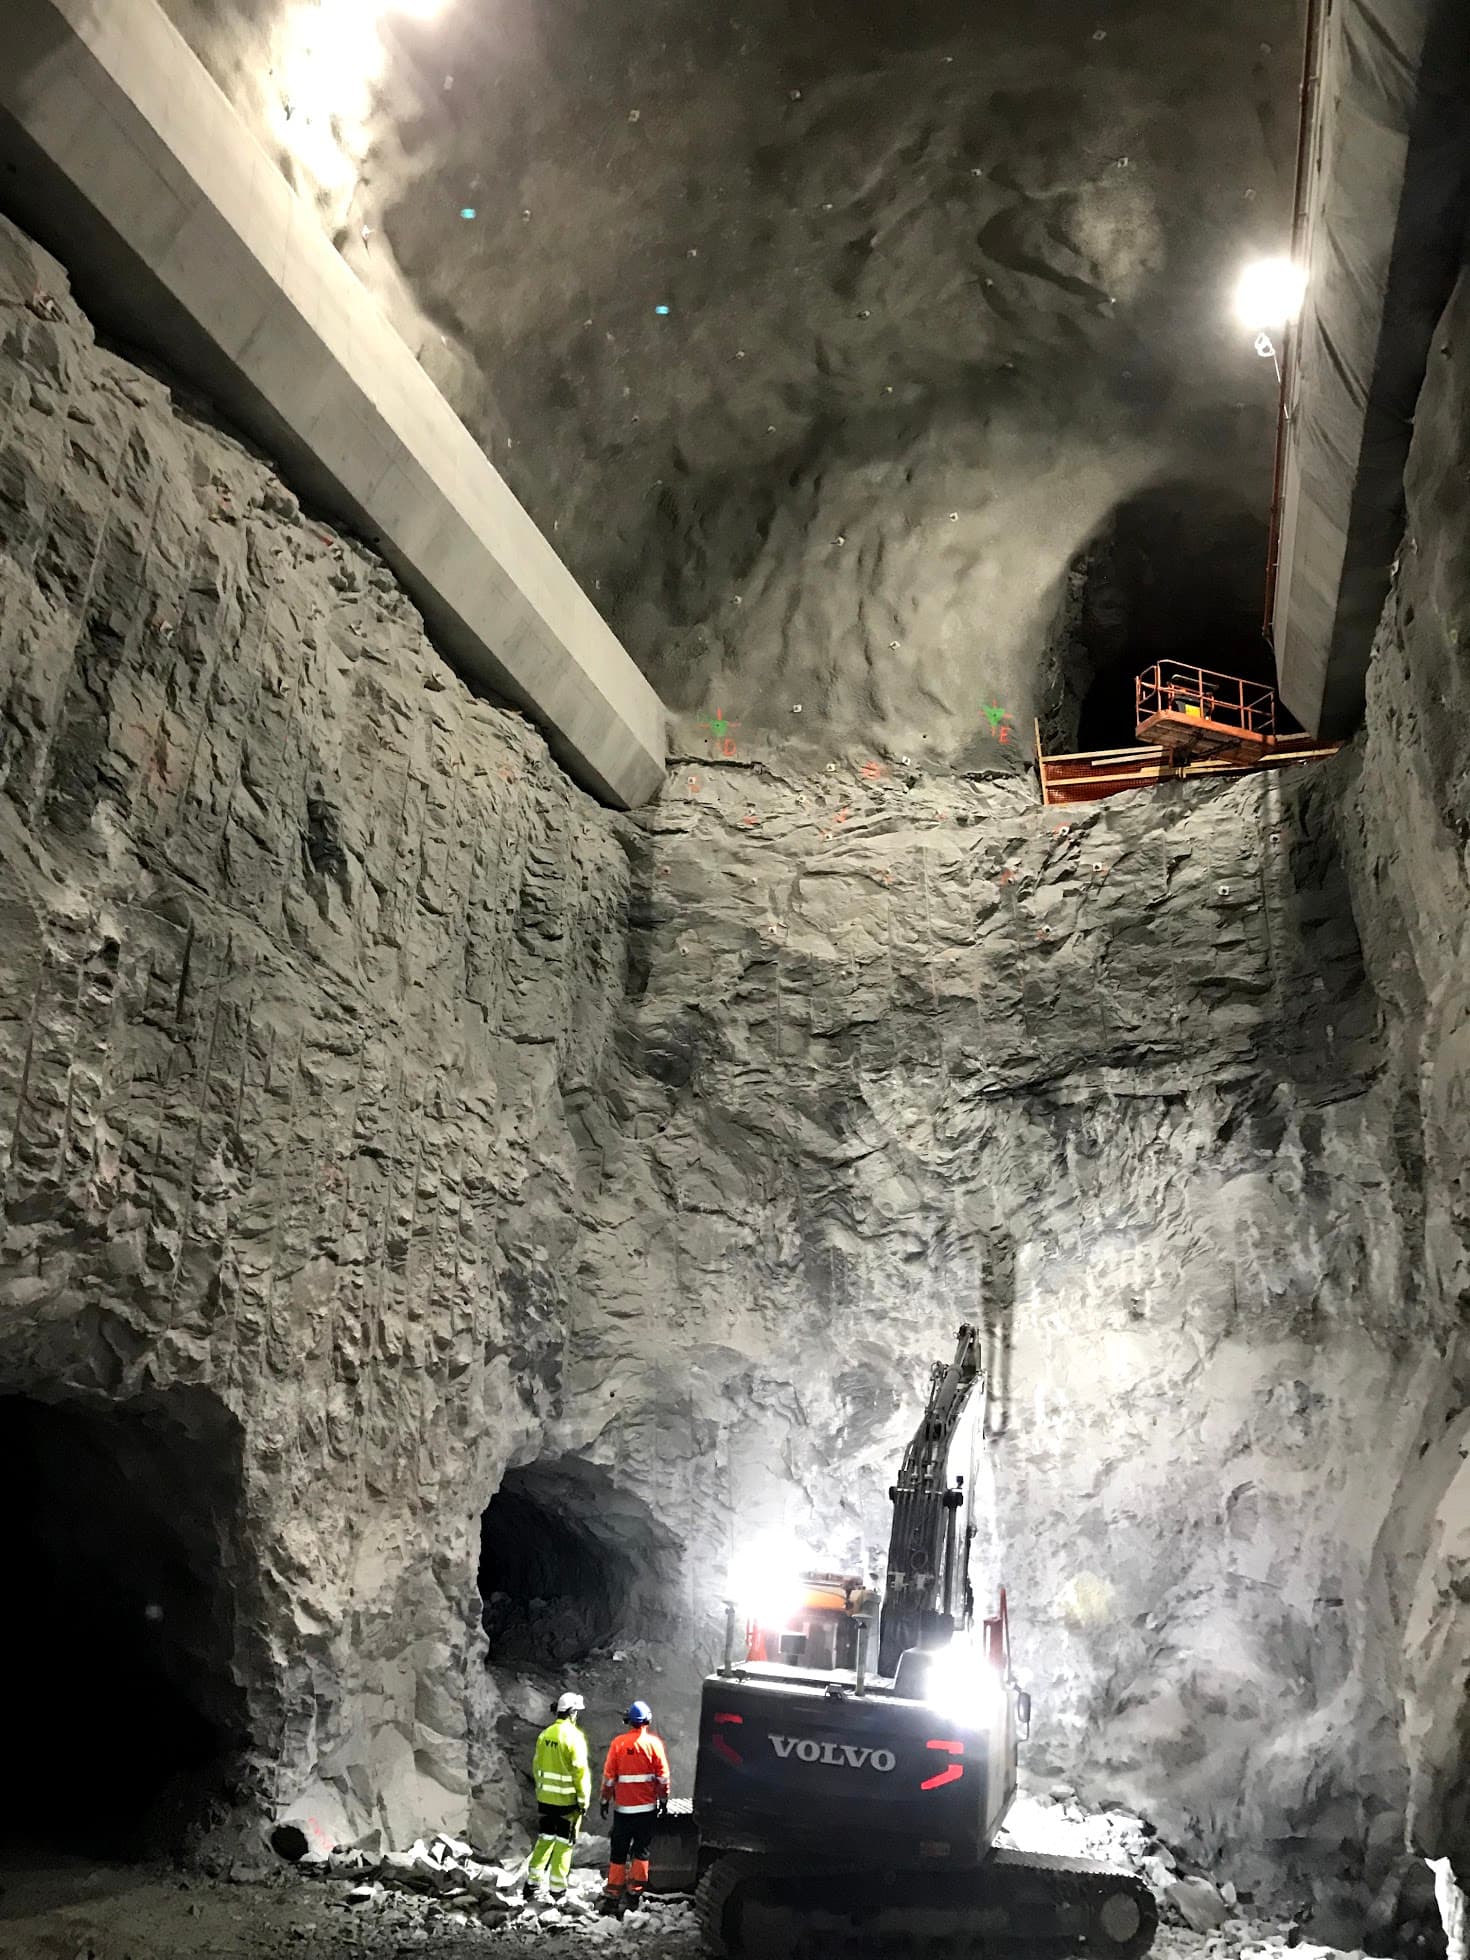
[155, 762]
[874, 771]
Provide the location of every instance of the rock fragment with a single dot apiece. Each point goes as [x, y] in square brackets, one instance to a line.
[1198, 1904]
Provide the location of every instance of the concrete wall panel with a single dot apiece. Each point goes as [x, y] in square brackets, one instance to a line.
[120, 152]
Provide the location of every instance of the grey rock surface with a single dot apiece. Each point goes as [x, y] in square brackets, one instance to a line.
[910, 1051]
[307, 961]
[1198, 1904]
[362, 1079]
[1409, 818]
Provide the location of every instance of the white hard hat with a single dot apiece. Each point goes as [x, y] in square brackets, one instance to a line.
[570, 1705]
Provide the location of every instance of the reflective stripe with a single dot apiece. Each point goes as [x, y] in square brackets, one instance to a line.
[633, 1809]
[562, 1775]
[645, 1776]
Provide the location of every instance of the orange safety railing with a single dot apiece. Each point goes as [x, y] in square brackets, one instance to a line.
[1197, 694]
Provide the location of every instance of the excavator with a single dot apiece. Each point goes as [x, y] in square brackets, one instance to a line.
[836, 1806]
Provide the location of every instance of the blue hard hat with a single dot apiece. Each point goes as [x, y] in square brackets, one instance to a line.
[639, 1714]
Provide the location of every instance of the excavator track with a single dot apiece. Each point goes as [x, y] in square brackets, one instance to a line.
[1016, 1902]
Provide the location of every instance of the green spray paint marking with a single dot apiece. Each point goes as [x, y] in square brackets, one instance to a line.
[719, 727]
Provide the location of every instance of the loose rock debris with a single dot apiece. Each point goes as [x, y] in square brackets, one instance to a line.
[441, 1897]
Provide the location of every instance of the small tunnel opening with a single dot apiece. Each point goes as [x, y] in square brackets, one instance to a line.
[567, 1564]
[1176, 575]
[124, 1719]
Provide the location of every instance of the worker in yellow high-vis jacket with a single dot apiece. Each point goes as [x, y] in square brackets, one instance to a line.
[563, 1790]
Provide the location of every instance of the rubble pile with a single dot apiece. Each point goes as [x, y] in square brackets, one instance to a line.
[441, 1869]
[1203, 1916]
[441, 1885]
[1060, 1824]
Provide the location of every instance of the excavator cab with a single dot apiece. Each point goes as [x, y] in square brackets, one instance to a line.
[823, 1629]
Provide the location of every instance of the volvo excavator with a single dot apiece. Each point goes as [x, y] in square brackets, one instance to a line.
[838, 1807]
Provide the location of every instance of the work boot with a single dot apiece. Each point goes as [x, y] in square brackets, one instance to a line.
[635, 1902]
[531, 1893]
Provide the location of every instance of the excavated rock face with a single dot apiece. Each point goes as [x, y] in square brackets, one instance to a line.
[908, 1052]
[308, 961]
[445, 1178]
[871, 366]
[1410, 818]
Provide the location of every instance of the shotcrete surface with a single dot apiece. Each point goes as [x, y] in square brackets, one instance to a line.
[871, 367]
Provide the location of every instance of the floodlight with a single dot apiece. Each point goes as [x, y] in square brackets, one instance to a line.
[1269, 294]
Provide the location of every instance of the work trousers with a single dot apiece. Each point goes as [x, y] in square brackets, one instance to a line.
[632, 1840]
[552, 1851]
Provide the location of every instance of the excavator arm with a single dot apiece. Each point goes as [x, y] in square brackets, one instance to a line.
[927, 1587]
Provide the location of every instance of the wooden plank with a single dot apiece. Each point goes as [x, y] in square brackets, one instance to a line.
[1088, 755]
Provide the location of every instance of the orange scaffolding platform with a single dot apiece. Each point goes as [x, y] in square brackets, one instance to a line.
[1196, 723]
[1204, 713]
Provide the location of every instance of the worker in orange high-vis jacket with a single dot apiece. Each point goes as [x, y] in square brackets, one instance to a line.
[635, 1783]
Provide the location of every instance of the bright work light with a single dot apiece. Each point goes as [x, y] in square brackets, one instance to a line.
[765, 1579]
[963, 1687]
[1269, 294]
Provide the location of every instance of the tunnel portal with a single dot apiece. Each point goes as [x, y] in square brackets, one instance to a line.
[116, 1642]
[567, 1564]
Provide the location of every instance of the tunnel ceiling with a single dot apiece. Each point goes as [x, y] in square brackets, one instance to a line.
[947, 290]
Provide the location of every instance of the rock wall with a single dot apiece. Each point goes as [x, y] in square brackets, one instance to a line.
[308, 959]
[1409, 821]
[908, 1050]
[364, 1081]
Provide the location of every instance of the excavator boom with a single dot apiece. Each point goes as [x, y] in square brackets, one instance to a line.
[927, 1588]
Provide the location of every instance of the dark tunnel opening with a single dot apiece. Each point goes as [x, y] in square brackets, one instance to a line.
[567, 1564]
[124, 1719]
[1177, 575]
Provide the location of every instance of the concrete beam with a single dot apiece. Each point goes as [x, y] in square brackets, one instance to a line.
[1385, 224]
[120, 154]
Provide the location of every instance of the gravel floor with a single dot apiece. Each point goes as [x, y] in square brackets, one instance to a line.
[78, 1911]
